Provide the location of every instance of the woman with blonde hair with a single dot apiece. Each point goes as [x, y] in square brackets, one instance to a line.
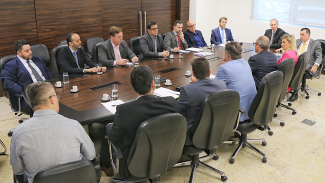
[289, 48]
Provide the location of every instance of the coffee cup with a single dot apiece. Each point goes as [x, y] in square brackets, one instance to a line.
[58, 84]
[171, 55]
[105, 96]
[168, 82]
[188, 73]
[75, 88]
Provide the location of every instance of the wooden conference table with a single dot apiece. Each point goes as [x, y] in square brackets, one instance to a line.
[85, 106]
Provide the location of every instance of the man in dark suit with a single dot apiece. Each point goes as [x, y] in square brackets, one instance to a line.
[129, 116]
[263, 62]
[275, 34]
[115, 51]
[193, 37]
[221, 35]
[192, 95]
[152, 44]
[22, 71]
[73, 57]
[175, 38]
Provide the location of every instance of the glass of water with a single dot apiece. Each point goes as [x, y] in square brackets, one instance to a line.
[65, 78]
[99, 68]
[136, 64]
[115, 91]
[157, 80]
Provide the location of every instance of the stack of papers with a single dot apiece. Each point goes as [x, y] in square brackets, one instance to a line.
[164, 92]
[203, 54]
[111, 106]
[183, 51]
[194, 49]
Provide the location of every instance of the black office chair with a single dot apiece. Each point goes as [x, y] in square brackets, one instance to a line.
[157, 147]
[4, 147]
[82, 171]
[135, 45]
[286, 67]
[298, 73]
[218, 117]
[41, 50]
[95, 52]
[260, 112]
[55, 60]
[307, 75]
[163, 35]
[90, 43]
[64, 42]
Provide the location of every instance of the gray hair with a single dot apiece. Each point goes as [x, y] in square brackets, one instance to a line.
[263, 42]
[38, 93]
[234, 50]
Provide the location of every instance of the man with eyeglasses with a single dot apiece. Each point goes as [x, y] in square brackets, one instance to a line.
[264, 61]
[152, 44]
[48, 138]
[193, 37]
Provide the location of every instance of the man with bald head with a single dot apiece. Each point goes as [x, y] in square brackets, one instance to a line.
[275, 34]
[264, 61]
[193, 37]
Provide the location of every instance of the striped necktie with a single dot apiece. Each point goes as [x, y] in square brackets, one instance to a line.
[35, 73]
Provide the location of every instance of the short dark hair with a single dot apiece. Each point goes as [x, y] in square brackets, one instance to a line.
[19, 44]
[306, 29]
[201, 68]
[141, 79]
[114, 30]
[177, 22]
[150, 24]
[69, 37]
[222, 18]
[234, 50]
[37, 93]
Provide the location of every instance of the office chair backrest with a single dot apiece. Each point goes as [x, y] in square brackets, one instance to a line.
[73, 172]
[163, 35]
[90, 43]
[135, 45]
[286, 67]
[299, 71]
[216, 119]
[158, 145]
[41, 50]
[64, 42]
[95, 52]
[321, 66]
[3, 61]
[263, 105]
[55, 60]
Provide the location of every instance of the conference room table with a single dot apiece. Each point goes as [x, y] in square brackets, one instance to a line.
[85, 106]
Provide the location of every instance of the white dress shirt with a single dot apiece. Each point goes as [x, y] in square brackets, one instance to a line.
[24, 62]
[301, 44]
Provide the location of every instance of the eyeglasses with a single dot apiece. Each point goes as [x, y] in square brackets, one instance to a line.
[57, 96]
[191, 25]
[255, 44]
[154, 28]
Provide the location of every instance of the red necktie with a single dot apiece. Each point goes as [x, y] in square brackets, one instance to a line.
[179, 42]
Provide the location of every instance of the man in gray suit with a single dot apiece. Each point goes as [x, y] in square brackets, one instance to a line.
[313, 47]
[192, 95]
[175, 38]
[115, 51]
[152, 44]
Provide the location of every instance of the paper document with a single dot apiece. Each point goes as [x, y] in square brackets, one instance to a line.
[111, 106]
[203, 54]
[183, 51]
[194, 49]
[212, 76]
[164, 92]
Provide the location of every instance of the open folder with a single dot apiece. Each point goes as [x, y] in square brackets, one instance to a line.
[164, 92]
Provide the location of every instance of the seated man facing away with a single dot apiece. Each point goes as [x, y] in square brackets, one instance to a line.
[221, 35]
[175, 38]
[152, 44]
[129, 116]
[115, 51]
[274, 34]
[72, 57]
[48, 138]
[263, 62]
[192, 95]
[237, 75]
[193, 37]
[22, 71]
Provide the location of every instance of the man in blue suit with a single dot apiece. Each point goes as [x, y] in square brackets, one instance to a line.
[22, 71]
[237, 75]
[221, 35]
[193, 37]
[192, 95]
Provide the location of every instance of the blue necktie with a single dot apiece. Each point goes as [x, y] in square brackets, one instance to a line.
[222, 37]
[76, 58]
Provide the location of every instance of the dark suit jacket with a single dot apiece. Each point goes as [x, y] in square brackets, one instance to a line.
[171, 40]
[216, 37]
[191, 98]
[315, 50]
[68, 63]
[190, 39]
[276, 42]
[128, 118]
[106, 54]
[148, 48]
[15, 76]
[261, 64]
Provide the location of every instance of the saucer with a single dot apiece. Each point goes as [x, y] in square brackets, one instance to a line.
[168, 84]
[105, 100]
[74, 91]
[59, 86]
[188, 74]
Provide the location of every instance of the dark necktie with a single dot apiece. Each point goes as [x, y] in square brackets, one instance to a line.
[35, 73]
[271, 41]
[179, 42]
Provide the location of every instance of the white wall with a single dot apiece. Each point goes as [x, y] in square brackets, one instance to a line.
[206, 14]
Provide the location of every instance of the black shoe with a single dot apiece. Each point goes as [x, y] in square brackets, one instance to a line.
[293, 97]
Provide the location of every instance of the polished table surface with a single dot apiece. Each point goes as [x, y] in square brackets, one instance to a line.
[85, 106]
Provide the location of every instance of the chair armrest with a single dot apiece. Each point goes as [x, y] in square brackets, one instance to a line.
[97, 169]
[19, 178]
[115, 155]
[241, 110]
